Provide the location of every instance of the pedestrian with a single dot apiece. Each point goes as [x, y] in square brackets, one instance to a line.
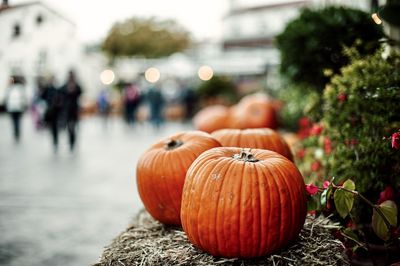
[54, 103]
[131, 99]
[189, 100]
[156, 102]
[103, 104]
[70, 93]
[16, 101]
[38, 106]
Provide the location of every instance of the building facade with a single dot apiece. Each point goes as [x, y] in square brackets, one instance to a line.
[35, 41]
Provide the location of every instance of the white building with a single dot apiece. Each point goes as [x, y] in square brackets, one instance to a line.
[35, 40]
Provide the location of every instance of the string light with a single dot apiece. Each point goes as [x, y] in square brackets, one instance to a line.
[152, 75]
[205, 73]
[107, 76]
[376, 19]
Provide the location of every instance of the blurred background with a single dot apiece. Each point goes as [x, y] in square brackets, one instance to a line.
[87, 86]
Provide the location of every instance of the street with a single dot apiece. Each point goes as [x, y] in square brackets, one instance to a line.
[63, 208]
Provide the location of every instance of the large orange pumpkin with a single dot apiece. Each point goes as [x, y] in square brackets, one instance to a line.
[257, 138]
[254, 111]
[242, 203]
[161, 172]
[211, 118]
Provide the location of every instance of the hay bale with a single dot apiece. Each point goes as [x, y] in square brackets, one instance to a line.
[147, 242]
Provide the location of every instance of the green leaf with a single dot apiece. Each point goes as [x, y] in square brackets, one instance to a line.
[350, 233]
[389, 210]
[344, 200]
[312, 203]
[325, 196]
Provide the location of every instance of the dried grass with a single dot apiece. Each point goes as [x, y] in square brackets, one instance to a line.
[147, 242]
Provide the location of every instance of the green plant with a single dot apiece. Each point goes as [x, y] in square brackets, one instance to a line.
[218, 86]
[145, 37]
[361, 107]
[311, 45]
[331, 198]
[297, 102]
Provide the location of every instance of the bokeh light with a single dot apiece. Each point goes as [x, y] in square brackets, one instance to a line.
[107, 77]
[376, 19]
[152, 75]
[205, 73]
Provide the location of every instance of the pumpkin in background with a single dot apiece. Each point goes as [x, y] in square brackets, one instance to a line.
[211, 118]
[242, 203]
[161, 172]
[291, 139]
[257, 138]
[254, 111]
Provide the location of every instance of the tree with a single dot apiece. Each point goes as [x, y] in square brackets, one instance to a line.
[145, 37]
[312, 45]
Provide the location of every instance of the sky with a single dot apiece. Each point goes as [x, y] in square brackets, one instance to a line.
[94, 18]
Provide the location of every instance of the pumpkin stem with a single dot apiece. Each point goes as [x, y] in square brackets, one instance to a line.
[173, 144]
[245, 156]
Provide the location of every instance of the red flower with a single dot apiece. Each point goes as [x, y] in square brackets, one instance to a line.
[351, 142]
[352, 225]
[342, 97]
[301, 153]
[304, 122]
[315, 166]
[387, 194]
[312, 212]
[311, 189]
[396, 140]
[327, 145]
[316, 130]
[303, 133]
[326, 184]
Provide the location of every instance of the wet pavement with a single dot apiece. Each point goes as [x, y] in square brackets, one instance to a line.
[63, 208]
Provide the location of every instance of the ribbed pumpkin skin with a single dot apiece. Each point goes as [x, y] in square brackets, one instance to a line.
[211, 118]
[161, 173]
[232, 208]
[255, 138]
[253, 111]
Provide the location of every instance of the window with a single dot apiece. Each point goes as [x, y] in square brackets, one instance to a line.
[16, 31]
[39, 20]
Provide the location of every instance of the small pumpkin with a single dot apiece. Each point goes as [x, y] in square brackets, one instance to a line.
[253, 111]
[211, 118]
[256, 138]
[242, 203]
[161, 172]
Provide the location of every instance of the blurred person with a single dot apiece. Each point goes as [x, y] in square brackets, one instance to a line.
[16, 101]
[104, 104]
[131, 99]
[156, 102]
[70, 93]
[38, 106]
[189, 100]
[54, 104]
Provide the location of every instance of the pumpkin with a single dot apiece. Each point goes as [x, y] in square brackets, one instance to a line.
[211, 118]
[291, 139]
[254, 111]
[161, 172]
[258, 138]
[242, 203]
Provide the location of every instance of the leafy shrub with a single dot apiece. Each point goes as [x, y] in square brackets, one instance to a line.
[311, 45]
[297, 101]
[218, 87]
[361, 109]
